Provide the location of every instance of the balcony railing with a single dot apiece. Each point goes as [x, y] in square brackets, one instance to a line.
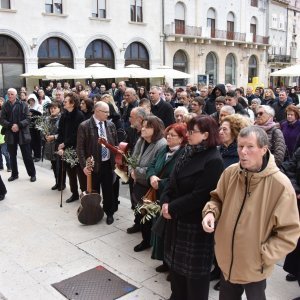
[279, 58]
[228, 35]
[186, 30]
[261, 39]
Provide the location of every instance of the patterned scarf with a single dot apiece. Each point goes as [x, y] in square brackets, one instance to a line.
[187, 155]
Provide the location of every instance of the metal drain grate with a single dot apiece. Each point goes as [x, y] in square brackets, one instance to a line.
[94, 284]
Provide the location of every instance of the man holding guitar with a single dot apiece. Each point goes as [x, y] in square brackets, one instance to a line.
[89, 132]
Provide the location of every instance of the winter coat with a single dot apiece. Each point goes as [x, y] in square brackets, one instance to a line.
[87, 143]
[257, 221]
[144, 158]
[229, 154]
[164, 111]
[68, 126]
[188, 249]
[162, 168]
[276, 144]
[210, 106]
[290, 131]
[16, 114]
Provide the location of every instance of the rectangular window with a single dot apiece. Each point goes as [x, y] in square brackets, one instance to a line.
[254, 3]
[211, 23]
[253, 31]
[230, 30]
[99, 9]
[53, 6]
[5, 4]
[136, 11]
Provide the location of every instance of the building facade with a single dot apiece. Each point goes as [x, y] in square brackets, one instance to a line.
[215, 43]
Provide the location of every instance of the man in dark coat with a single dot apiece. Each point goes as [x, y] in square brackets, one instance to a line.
[67, 138]
[280, 105]
[130, 98]
[87, 144]
[15, 120]
[161, 108]
[210, 106]
[231, 100]
[119, 95]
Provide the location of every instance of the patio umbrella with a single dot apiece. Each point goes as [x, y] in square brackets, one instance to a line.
[293, 71]
[165, 71]
[53, 71]
[133, 71]
[98, 71]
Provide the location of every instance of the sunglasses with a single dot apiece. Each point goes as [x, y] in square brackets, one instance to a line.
[260, 113]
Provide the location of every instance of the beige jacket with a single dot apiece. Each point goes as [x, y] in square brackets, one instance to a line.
[258, 221]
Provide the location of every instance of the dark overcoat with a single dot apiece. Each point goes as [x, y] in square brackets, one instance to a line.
[188, 249]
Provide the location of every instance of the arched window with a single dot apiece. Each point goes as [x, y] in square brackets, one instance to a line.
[179, 18]
[55, 50]
[230, 26]
[11, 64]
[253, 68]
[99, 51]
[136, 53]
[211, 22]
[180, 63]
[253, 26]
[230, 69]
[212, 68]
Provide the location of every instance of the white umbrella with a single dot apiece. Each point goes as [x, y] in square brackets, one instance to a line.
[133, 71]
[53, 71]
[293, 71]
[98, 71]
[165, 71]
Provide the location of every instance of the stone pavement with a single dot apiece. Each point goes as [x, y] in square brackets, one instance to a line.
[41, 243]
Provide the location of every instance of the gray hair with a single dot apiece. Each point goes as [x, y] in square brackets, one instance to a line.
[12, 90]
[229, 109]
[261, 136]
[181, 109]
[268, 109]
[131, 91]
[140, 112]
[257, 100]
[101, 104]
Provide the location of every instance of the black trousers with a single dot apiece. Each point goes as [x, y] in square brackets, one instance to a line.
[59, 173]
[105, 180]
[26, 154]
[3, 190]
[36, 142]
[232, 291]
[73, 173]
[184, 288]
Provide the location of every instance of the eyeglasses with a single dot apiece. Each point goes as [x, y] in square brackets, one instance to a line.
[105, 112]
[191, 132]
[171, 135]
[260, 113]
[151, 93]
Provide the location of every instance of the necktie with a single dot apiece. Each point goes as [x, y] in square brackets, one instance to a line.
[103, 148]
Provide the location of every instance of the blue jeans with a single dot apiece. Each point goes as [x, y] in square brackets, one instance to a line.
[4, 151]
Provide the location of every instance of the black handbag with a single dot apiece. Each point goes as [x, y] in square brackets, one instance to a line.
[158, 228]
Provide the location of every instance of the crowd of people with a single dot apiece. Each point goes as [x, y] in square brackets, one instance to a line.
[220, 159]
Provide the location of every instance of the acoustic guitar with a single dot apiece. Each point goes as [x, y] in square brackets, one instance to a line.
[90, 211]
[120, 152]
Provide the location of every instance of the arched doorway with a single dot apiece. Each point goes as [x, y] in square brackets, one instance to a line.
[137, 54]
[230, 69]
[55, 50]
[180, 63]
[211, 68]
[11, 64]
[252, 68]
[99, 51]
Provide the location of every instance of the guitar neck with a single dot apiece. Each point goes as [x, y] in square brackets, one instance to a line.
[112, 148]
[89, 183]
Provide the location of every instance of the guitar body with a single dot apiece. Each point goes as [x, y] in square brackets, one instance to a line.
[90, 211]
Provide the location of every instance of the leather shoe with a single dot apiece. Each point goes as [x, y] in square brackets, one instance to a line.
[290, 277]
[109, 220]
[162, 268]
[133, 229]
[72, 198]
[61, 188]
[36, 159]
[168, 278]
[142, 246]
[32, 179]
[54, 187]
[215, 274]
[12, 178]
[2, 197]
